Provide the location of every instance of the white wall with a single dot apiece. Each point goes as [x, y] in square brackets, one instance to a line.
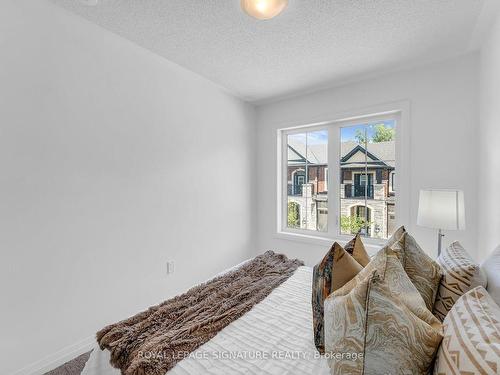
[489, 145]
[443, 134]
[112, 161]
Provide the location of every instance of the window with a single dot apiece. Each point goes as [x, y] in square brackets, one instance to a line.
[392, 185]
[306, 170]
[368, 160]
[340, 178]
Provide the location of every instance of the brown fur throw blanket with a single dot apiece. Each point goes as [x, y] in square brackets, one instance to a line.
[150, 342]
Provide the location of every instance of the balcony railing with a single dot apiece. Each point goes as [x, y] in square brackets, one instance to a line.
[294, 189]
[358, 191]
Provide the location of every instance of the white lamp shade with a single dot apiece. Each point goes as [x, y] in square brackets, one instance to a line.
[441, 209]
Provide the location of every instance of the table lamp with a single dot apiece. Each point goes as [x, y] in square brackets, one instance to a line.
[441, 209]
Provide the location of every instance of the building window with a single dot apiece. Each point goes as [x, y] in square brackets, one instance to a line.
[298, 181]
[326, 179]
[361, 195]
[392, 182]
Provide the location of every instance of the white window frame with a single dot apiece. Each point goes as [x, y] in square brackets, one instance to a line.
[396, 111]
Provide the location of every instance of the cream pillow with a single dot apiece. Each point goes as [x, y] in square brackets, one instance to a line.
[378, 323]
[471, 343]
[461, 274]
[491, 267]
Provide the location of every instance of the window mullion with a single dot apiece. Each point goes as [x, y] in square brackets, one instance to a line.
[282, 220]
[334, 180]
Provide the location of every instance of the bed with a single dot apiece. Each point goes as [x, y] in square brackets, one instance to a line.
[274, 337]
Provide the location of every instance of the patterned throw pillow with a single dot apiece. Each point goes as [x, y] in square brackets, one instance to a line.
[424, 273]
[334, 270]
[471, 343]
[491, 267]
[396, 236]
[356, 248]
[461, 274]
[378, 323]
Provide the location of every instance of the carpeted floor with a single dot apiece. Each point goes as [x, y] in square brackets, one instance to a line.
[73, 367]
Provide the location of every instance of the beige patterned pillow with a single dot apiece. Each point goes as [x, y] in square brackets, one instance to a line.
[424, 273]
[471, 343]
[396, 236]
[378, 323]
[357, 250]
[461, 274]
[335, 269]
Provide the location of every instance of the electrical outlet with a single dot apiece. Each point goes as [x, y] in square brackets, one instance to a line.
[170, 267]
[91, 3]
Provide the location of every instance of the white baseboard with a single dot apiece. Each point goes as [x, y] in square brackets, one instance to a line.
[58, 358]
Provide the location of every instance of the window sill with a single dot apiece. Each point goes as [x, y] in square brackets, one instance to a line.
[371, 245]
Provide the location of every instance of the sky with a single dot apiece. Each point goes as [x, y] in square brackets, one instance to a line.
[349, 133]
[346, 133]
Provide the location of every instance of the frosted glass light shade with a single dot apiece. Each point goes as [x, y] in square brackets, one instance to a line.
[441, 209]
[263, 9]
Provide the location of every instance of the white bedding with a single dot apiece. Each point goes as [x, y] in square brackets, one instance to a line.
[275, 337]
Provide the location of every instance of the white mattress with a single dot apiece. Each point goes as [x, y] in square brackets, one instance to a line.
[275, 337]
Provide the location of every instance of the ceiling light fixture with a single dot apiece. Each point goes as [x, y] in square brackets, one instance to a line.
[263, 9]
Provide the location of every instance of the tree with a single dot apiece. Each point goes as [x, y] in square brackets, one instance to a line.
[353, 224]
[383, 134]
[360, 136]
[293, 215]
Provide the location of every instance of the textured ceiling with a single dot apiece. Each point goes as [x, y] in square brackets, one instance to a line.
[314, 43]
